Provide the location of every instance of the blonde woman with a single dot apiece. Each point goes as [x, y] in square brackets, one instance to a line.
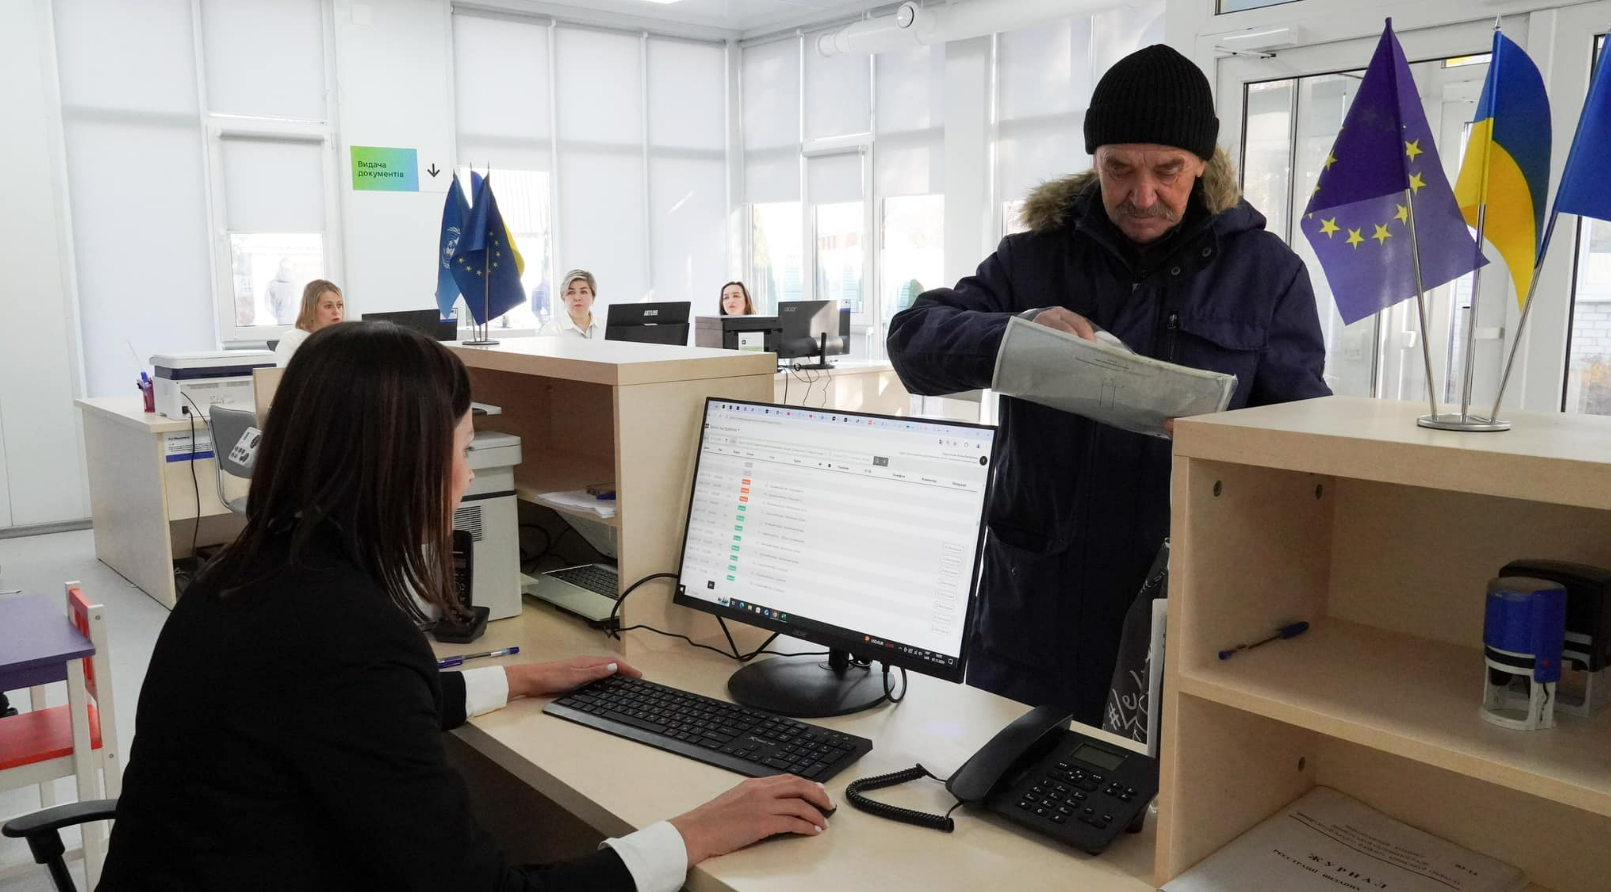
[321, 306]
[577, 292]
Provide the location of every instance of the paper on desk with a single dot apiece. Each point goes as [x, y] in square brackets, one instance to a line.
[1103, 382]
[1330, 842]
[578, 500]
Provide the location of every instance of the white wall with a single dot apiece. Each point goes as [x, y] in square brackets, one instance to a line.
[136, 174]
[41, 451]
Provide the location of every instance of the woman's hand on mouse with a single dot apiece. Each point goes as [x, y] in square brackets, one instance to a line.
[752, 811]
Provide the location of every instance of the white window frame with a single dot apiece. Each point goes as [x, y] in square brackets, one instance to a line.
[861, 145]
[218, 127]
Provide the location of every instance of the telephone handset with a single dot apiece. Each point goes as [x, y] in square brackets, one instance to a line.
[1039, 773]
[475, 623]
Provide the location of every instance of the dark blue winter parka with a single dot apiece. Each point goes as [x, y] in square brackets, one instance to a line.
[1079, 508]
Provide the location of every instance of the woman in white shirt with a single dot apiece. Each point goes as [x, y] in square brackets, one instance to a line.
[578, 290]
[321, 306]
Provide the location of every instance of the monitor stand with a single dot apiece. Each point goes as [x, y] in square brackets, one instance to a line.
[807, 687]
[822, 362]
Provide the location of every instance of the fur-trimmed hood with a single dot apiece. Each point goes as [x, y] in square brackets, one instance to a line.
[1050, 205]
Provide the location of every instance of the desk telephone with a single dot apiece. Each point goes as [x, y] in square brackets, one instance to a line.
[1041, 774]
[475, 625]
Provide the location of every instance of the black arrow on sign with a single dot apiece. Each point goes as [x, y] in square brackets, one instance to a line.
[432, 169]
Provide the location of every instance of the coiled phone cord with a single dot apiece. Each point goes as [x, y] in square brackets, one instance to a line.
[853, 793]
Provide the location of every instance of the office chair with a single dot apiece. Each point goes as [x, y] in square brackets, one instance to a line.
[228, 427]
[42, 830]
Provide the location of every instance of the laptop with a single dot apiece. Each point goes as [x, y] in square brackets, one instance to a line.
[586, 590]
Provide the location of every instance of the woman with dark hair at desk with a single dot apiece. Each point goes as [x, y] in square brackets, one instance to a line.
[736, 300]
[290, 723]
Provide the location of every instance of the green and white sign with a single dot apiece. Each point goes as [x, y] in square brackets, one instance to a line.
[383, 169]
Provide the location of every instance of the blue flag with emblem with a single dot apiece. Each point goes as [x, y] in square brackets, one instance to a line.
[486, 265]
[1382, 166]
[454, 213]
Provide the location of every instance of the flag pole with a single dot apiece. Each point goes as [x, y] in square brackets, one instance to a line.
[482, 332]
[1482, 220]
[1420, 306]
[1527, 309]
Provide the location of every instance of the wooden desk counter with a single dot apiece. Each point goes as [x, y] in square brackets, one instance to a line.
[143, 500]
[617, 785]
[611, 362]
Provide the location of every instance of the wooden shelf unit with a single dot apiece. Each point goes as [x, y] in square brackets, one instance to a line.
[593, 412]
[1383, 536]
[530, 494]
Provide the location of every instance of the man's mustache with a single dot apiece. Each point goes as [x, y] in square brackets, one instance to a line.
[1157, 211]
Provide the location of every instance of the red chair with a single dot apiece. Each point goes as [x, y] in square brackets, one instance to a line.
[78, 740]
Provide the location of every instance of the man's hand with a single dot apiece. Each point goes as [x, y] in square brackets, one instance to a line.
[1067, 321]
[752, 811]
[541, 679]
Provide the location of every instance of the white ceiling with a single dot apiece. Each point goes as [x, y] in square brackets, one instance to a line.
[739, 17]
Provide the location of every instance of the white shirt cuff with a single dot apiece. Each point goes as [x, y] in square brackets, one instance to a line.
[485, 689]
[655, 856]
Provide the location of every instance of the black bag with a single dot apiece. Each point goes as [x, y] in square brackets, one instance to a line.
[1129, 709]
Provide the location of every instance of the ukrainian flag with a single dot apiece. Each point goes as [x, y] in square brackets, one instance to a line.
[1507, 161]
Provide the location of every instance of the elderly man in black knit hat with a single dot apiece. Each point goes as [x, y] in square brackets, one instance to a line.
[1157, 247]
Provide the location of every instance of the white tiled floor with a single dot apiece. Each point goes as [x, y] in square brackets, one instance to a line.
[39, 565]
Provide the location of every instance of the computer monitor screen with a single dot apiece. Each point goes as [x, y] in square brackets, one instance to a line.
[858, 532]
[656, 323]
[804, 322]
[428, 322]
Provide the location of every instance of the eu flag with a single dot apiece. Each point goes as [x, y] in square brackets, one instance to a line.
[1507, 161]
[1358, 218]
[1584, 188]
[454, 212]
[485, 264]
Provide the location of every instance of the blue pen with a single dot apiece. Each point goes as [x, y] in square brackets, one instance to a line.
[452, 662]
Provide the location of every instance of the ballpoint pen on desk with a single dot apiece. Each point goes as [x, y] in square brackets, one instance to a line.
[451, 662]
[1291, 630]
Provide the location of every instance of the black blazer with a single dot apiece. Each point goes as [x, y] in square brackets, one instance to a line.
[289, 738]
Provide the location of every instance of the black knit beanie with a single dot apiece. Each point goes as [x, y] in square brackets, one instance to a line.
[1154, 95]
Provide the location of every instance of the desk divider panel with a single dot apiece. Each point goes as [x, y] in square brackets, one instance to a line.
[658, 426]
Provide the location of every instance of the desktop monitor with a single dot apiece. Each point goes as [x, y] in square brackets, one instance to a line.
[813, 328]
[662, 323]
[427, 322]
[861, 533]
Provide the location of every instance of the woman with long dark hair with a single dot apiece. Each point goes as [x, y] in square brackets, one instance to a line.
[290, 722]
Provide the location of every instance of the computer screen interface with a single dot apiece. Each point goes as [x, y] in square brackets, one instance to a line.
[859, 532]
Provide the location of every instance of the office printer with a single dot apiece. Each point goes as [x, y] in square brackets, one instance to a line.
[206, 378]
[489, 514]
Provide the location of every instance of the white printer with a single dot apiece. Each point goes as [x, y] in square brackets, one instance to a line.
[489, 514]
[206, 378]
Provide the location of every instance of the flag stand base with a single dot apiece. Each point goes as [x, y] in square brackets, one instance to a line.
[485, 342]
[1456, 422]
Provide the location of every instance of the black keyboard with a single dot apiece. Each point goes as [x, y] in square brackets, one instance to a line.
[715, 732]
[601, 580]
